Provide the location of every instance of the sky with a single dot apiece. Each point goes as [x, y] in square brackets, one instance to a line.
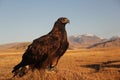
[26, 20]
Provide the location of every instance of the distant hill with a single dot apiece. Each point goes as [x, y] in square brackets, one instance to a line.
[83, 41]
[112, 43]
[15, 46]
[75, 42]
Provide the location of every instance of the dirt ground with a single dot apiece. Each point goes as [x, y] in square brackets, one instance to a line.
[83, 64]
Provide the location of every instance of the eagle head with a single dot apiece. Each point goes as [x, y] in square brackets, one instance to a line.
[63, 20]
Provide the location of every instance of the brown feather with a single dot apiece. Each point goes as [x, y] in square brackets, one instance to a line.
[46, 50]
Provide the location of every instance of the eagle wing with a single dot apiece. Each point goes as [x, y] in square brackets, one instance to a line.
[41, 47]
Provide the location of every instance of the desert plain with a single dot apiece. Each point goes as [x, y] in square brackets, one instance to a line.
[80, 64]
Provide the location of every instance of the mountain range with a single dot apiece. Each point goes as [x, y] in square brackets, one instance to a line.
[75, 42]
[15, 46]
[113, 42]
[84, 41]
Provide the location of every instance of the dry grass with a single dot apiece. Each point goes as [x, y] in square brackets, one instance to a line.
[85, 64]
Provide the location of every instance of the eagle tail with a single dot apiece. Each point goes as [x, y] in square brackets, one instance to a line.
[17, 67]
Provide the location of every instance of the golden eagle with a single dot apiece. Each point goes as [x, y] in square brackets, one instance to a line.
[45, 52]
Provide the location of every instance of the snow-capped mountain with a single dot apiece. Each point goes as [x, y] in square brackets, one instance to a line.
[85, 40]
[114, 37]
[113, 42]
[75, 42]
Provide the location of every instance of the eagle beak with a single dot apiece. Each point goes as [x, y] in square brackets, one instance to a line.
[65, 20]
[69, 21]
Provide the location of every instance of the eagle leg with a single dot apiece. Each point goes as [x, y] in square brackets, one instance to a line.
[51, 69]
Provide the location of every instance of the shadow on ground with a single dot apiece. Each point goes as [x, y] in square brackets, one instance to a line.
[100, 66]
